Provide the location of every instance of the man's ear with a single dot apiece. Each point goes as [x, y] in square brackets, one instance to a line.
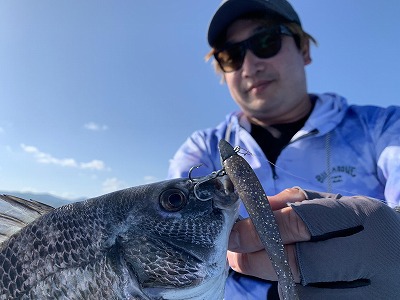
[305, 51]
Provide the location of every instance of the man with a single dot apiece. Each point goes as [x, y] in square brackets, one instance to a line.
[296, 138]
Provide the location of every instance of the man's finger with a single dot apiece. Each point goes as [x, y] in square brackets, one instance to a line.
[291, 195]
[244, 237]
[258, 264]
[291, 226]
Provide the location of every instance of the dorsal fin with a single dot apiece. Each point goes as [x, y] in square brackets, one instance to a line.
[16, 213]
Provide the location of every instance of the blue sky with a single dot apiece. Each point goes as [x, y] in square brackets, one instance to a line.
[98, 95]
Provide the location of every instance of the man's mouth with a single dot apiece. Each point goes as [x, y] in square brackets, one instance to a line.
[259, 86]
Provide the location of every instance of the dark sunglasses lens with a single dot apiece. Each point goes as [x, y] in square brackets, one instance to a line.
[266, 45]
[230, 59]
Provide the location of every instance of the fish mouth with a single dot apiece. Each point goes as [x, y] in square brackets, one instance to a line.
[226, 194]
[217, 188]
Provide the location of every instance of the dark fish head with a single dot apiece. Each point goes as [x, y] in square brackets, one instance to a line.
[173, 239]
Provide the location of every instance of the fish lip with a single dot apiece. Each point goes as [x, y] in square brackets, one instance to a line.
[217, 188]
[227, 188]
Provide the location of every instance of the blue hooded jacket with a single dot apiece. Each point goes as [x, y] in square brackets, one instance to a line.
[342, 148]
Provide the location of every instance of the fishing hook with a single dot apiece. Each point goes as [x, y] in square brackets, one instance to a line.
[212, 176]
[191, 170]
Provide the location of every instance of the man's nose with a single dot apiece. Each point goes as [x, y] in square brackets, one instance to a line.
[251, 64]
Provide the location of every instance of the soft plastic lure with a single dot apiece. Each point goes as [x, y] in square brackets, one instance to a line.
[256, 202]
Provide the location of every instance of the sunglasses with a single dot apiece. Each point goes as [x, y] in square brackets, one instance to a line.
[264, 44]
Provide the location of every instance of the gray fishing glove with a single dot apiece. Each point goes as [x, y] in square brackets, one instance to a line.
[354, 252]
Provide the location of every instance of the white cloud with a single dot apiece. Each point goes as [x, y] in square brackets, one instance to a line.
[112, 185]
[95, 127]
[46, 158]
[93, 165]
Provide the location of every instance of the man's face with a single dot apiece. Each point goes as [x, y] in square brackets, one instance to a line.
[271, 90]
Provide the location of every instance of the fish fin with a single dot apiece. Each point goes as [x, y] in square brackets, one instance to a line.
[16, 213]
[27, 205]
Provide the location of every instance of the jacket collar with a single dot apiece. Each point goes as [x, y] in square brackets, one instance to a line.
[328, 112]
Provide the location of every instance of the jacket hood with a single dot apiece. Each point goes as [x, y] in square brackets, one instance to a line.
[329, 111]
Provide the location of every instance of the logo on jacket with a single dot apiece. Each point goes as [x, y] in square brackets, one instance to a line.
[337, 174]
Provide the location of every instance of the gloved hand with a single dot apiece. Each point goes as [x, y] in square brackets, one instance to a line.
[354, 251]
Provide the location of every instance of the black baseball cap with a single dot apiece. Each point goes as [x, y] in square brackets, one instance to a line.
[230, 10]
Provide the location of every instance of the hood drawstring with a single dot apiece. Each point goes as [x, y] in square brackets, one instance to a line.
[228, 132]
[328, 162]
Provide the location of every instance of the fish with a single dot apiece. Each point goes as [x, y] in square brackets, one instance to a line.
[155, 241]
[257, 205]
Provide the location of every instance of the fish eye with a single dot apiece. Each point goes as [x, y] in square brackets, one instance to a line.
[173, 200]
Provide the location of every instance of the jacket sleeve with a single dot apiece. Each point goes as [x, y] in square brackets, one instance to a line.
[196, 150]
[386, 136]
